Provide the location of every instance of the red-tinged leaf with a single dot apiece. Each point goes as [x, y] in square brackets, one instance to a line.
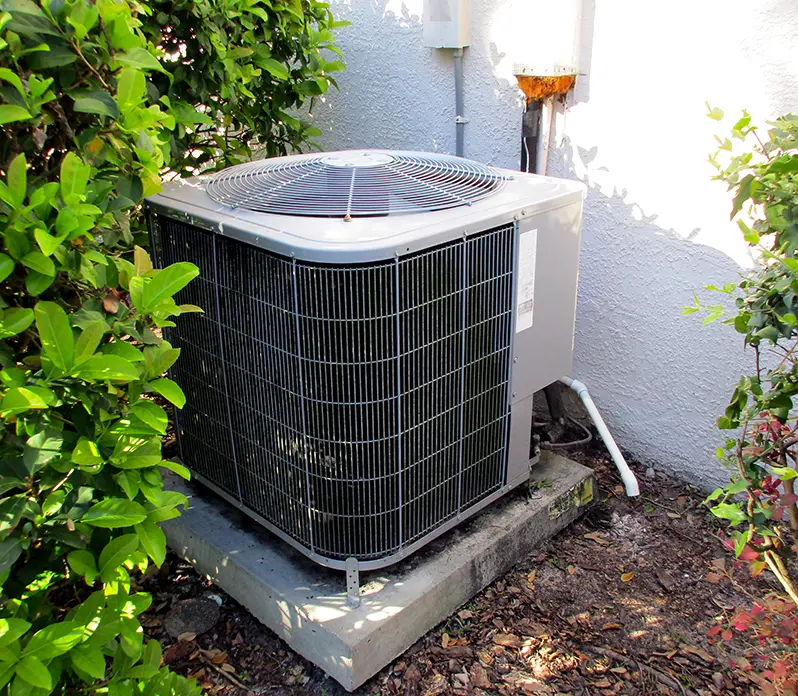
[787, 499]
[714, 578]
[717, 628]
[778, 513]
[727, 634]
[748, 554]
[781, 668]
[757, 609]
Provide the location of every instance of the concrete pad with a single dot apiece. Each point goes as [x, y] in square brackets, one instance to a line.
[305, 604]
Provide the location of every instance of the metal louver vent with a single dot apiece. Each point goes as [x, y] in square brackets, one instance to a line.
[354, 410]
[355, 184]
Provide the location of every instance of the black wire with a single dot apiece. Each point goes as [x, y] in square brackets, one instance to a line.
[573, 443]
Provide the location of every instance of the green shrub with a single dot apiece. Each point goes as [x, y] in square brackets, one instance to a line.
[238, 72]
[92, 115]
[759, 503]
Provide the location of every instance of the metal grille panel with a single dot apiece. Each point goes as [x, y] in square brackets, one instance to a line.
[356, 409]
[355, 184]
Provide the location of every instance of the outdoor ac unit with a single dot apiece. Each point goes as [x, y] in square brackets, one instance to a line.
[375, 326]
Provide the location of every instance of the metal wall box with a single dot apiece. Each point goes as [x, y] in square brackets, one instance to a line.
[446, 23]
[375, 326]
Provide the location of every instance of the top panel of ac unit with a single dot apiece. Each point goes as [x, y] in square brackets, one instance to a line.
[359, 205]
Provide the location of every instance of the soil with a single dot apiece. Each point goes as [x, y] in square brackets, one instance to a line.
[618, 603]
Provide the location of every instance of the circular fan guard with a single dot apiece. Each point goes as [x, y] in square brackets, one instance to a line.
[355, 183]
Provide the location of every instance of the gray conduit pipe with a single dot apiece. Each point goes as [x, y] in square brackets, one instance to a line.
[459, 119]
[627, 475]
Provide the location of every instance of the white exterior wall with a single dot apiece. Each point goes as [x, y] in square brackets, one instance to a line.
[656, 227]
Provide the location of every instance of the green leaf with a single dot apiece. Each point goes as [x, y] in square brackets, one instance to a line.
[729, 511]
[112, 513]
[36, 283]
[41, 448]
[139, 58]
[129, 481]
[56, 334]
[135, 453]
[86, 613]
[152, 653]
[785, 473]
[744, 189]
[21, 399]
[18, 180]
[107, 367]
[153, 541]
[95, 102]
[7, 671]
[131, 88]
[53, 640]
[165, 504]
[89, 659]
[15, 321]
[160, 358]
[170, 391]
[8, 483]
[178, 469]
[152, 414]
[38, 262]
[74, 178]
[83, 563]
[124, 350]
[10, 113]
[6, 266]
[168, 281]
[10, 551]
[89, 339]
[11, 511]
[47, 243]
[141, 261]
[32, 670]
[715, 113]
[53, 503]
[10, 77]
[117, 551]
[11, 630]
[274, 67]
[86, 453]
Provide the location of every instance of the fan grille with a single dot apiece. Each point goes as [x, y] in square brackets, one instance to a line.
[357, 409]
[358, 183]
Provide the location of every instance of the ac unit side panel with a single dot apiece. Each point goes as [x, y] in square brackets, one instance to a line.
[357, 409]
[548, 249]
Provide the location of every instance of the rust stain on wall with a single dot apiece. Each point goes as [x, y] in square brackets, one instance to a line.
[535, 88]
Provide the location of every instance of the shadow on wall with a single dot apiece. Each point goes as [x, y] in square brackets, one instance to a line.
[661, 378]
[399, 94]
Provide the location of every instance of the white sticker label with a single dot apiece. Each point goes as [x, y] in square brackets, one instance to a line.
[527, 258]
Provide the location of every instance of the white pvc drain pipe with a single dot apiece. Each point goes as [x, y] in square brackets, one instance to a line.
[627, 475]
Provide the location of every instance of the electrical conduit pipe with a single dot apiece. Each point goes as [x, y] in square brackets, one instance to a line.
[460, 119]
[627, 475]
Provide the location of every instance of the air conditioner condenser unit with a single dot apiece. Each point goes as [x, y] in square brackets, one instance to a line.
[375, 325]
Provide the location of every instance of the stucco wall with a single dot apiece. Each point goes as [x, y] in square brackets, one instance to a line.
[656, 227]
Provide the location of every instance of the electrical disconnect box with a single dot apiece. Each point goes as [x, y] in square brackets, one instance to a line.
[447, 23]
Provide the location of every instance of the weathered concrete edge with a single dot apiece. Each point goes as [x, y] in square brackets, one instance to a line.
[455, 577]
[282, 616]
[429, 593]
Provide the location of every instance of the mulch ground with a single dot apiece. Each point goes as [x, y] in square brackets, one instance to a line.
[618, 603]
